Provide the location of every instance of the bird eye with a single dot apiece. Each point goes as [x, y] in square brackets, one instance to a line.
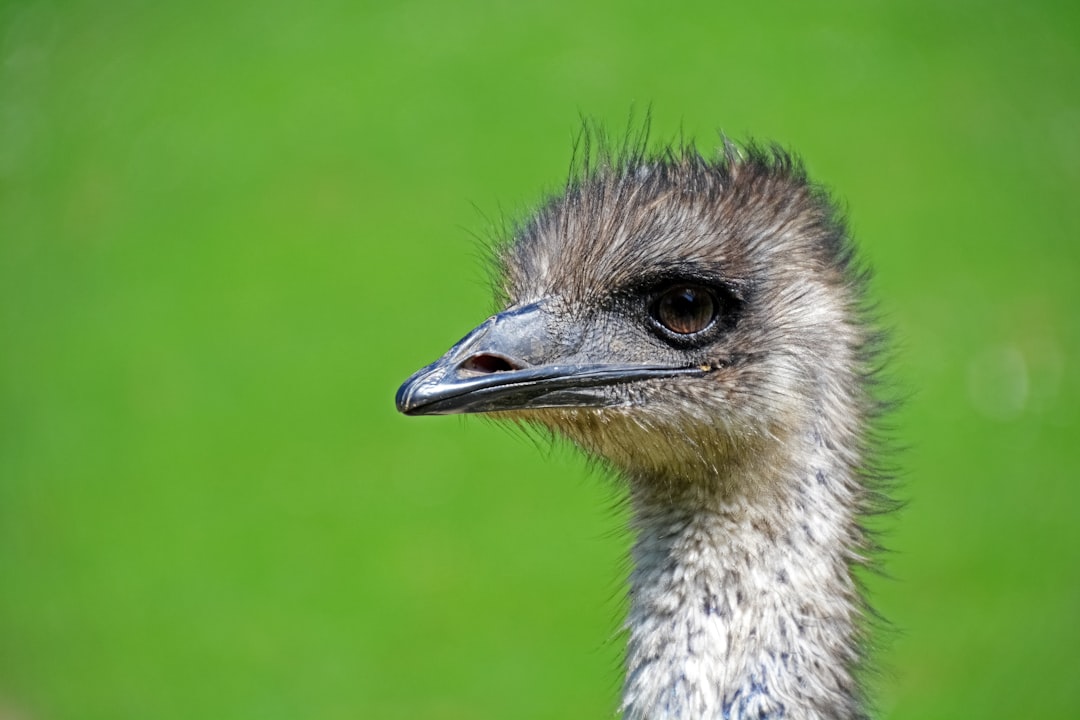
[685, 309]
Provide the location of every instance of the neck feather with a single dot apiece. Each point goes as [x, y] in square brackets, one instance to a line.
[742, 603]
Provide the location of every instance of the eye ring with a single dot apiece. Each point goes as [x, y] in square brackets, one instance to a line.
[685, 310]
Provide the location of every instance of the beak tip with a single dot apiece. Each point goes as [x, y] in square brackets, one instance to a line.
[401, 399]
[405, 399]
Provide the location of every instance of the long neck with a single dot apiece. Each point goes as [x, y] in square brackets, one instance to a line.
[742, 603]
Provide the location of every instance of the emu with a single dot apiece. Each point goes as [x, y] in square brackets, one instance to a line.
[699, 326]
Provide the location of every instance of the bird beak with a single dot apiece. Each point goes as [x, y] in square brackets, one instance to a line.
[518, 360]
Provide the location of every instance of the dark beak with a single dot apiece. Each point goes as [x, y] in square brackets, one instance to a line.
[519, 359]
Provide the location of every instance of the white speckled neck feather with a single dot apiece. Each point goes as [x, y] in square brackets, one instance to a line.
[744, 606]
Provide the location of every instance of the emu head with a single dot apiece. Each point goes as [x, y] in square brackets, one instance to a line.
[672, 315]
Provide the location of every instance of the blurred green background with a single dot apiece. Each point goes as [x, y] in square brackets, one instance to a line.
[228, 231]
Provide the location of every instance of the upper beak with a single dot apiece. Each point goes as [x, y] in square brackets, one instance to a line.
[518, 360]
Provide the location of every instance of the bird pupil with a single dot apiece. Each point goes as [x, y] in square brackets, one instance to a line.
[685, 310]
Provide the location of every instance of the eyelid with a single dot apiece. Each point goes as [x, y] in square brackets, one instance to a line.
[654, 284]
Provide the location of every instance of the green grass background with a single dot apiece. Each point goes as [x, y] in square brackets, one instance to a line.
[228, 231]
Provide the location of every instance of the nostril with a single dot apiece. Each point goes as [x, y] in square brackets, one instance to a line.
[485, 363]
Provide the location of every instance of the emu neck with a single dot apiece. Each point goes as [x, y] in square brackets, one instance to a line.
[742, 603]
